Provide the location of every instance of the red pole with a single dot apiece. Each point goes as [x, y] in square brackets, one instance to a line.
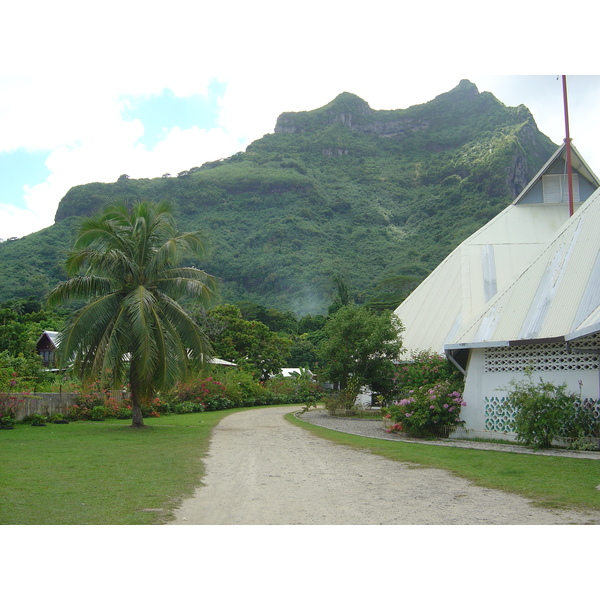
[568, 146]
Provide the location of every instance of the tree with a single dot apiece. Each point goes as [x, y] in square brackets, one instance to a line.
[359, 346]
[342, 296]
[250, 344]
[132, 324]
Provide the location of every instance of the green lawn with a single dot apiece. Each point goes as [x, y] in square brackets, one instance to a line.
[552, 482]
[101, 472]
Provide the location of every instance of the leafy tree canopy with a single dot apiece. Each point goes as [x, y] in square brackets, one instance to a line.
[359, 347]
[250, 344]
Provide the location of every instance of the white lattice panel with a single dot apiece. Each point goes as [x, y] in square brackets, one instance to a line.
[501, 418]
[498, 416]
[543, 357]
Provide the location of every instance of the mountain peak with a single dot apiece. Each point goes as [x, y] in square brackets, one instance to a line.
[344, 109]
[347, 102]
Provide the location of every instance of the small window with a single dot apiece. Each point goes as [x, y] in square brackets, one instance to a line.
[556, 188]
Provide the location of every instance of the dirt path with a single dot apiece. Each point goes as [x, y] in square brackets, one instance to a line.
[261, 470]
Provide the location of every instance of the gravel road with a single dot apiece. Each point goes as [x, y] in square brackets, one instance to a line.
[262, 470]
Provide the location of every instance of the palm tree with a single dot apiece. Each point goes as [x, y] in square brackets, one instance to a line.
[132, 323]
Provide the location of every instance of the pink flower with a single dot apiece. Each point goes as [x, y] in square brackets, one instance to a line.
[432, 407]
[445, 406]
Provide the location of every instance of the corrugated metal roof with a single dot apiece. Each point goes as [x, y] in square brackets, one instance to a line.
[557, 295]
[484, 264]
[442, 309]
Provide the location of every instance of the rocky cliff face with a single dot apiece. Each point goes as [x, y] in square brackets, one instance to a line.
[356, 115]
[353, 113]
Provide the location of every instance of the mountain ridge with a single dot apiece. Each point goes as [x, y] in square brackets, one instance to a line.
[376, 197]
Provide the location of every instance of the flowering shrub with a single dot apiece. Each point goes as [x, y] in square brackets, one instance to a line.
[239, 388]
[233, 389]
[395, 428]
[429, 410]
[207, 392]
[425, 369]
[21, 373]
[85, 408]
[9, 405]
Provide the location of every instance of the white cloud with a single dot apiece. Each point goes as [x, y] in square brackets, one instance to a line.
[71, 66]
[18, 222]
[104, 159]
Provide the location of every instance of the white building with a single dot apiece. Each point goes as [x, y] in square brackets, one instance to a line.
[523, 291]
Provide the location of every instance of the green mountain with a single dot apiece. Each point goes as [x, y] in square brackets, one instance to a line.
[376, 198]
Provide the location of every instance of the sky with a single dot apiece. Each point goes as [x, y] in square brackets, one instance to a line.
[92, 91]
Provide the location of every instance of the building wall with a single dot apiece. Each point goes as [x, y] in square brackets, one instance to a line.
[490, 371]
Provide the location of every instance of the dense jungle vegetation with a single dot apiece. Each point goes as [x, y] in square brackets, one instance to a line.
[375, 198]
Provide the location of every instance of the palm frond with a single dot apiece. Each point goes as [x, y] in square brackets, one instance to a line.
[192, 336]
[188, 282]
[80, 339]
[79, 287]
[130, 255]
[140, 306]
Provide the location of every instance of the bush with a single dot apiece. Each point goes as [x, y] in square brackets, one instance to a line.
[546, 411]
[180, 408]
[298, 389]
[429, 411]
[205, 392]
[7, 422]
[9, 405]
[242, 389]
[217, 403]
[98, 413]
[124, 412]
[57, 418]
[36, 419]
[426, 369]
[83, 410]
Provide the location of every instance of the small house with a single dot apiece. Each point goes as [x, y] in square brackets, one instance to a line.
[46, 348]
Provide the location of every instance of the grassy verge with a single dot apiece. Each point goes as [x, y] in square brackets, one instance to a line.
[102, 472]
[552, 482]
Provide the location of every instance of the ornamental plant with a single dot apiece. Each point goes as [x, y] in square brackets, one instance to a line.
[546, 411]
[299, 388]
[9, 405]
[206, 392]
[425, 369]
[429, 410]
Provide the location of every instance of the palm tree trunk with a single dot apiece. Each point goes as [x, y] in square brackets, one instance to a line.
[136, 405]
